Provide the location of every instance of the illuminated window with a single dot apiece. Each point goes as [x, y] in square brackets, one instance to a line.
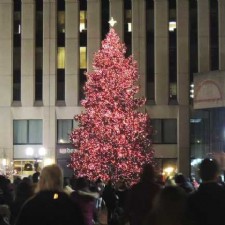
[172, 25]
[83, 20]
[17, 50]
[61, 58]
[128, 19]
[61, 21]
[173, 90]
[83, 57]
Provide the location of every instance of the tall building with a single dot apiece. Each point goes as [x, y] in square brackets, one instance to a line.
[46, 45]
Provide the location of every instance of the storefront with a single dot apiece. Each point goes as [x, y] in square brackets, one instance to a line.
[63, 154]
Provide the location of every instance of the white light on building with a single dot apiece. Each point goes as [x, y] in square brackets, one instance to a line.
[129, 27]
[48, 161]
[42, 151]
[4, 162]
[29, 151]
[172, 25]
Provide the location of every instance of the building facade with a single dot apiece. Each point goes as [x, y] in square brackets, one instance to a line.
[46, 45]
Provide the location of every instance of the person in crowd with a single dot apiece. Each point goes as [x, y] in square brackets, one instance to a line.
[169, 207]
[206, 205]
[50, 205]
[194, 183]
[4, 214]
[121, 192]
[99, 187]
[35, 179]
[6, 195]
[141, 196]
[110, 198]
[23, 191]
[85, 199]
[183, 182]
[67, 186]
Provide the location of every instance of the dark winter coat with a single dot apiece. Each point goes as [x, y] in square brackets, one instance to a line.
[206, 205]
[87, 206]
[139, 201]
[50, 208]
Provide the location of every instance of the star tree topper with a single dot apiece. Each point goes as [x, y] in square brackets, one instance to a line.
[112, 22]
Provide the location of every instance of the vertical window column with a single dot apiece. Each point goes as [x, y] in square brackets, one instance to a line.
[104, 18]
[60, 97]
[214, 35]
[72, 52]
[28, 53]
[117, 12]
[161, 52]
[139, 41]
[128, 26]
[193, 34]
[16, 50]
[172, 52]
[39, 51]
[221, 10]
[93, 30]
[203, 36]
[183, 52]
[82, 47]
[150, 70]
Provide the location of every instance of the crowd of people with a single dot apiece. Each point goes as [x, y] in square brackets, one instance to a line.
[48, 198]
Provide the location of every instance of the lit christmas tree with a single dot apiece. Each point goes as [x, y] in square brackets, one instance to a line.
[113, 138]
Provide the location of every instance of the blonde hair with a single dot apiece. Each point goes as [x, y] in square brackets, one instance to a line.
[51, 178]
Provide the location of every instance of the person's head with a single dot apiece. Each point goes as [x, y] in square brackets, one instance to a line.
[51, 178]
[180, 178]
[148, 173]
[82, 183]
[169, 206]
[35, 177]
[209, 170]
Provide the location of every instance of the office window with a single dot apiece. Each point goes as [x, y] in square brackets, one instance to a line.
[17, 50]
[214, 35]
[83, 58]
[61, 21]
[60, 84]
[169, 131]
[83, 21]
[172, 50]
[27, 131]
[105, 18]
[61, 58]
[60, 80]
[38, 85]
[150, 50]
[164, 131]
[64, 129]
[128, 26]
[39, 50]
[193, 33]
[83, 47]
[61, 74]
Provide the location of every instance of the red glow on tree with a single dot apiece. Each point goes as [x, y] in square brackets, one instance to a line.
[113, 138]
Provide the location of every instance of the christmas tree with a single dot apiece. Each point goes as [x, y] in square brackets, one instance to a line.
[113, 138]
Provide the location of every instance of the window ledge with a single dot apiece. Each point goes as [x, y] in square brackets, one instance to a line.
[60, 103]
[38, 103]
[16, 103]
